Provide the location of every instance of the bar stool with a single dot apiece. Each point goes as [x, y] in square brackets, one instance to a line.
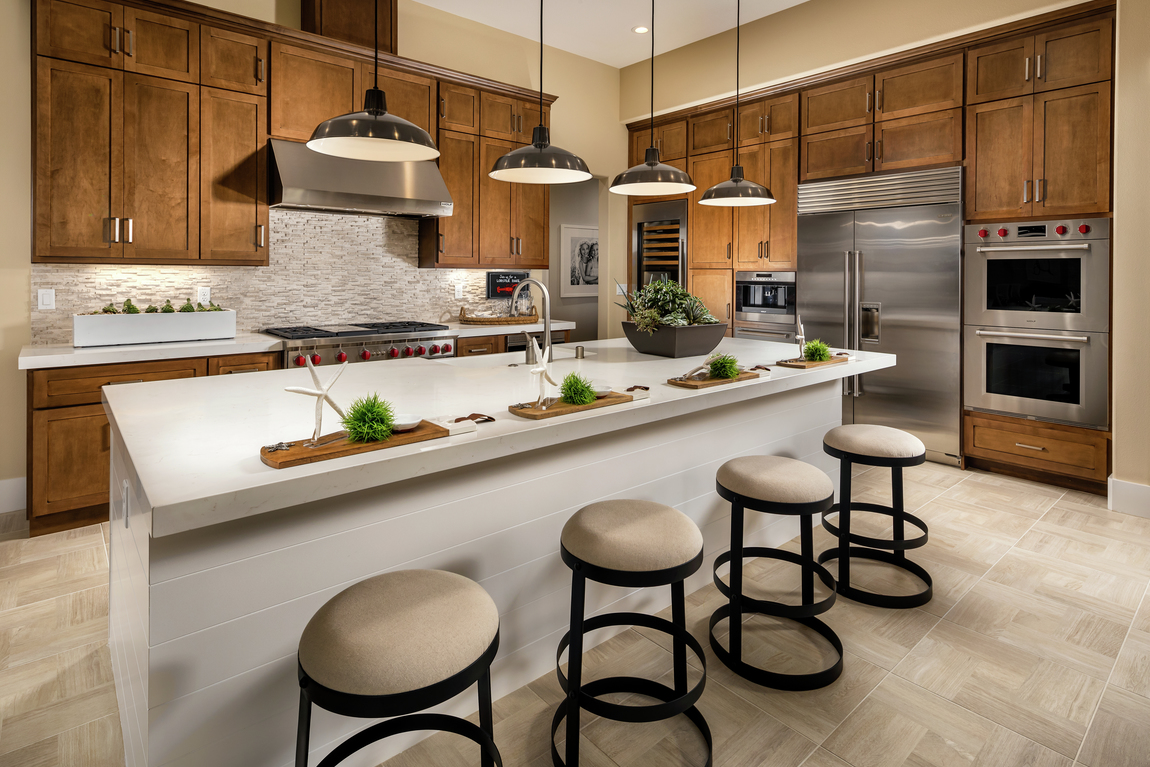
[873, 445]
[392, 646]
[774, 485]
[629, 543]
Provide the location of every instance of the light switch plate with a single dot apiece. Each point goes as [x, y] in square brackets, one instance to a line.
[459, 291]
[204, 296]
[46, 299]
[619, 291]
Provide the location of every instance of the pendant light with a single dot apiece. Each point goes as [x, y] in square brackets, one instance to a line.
[540, 162]
[651, 177]
[737, 192]
[373, 134]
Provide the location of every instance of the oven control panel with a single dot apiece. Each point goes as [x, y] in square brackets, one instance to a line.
[775, 277]
[1046, 231]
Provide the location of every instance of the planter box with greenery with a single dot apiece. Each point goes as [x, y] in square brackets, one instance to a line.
[667, 321]
[131, 325]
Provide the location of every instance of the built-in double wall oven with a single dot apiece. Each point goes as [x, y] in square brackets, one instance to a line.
[1037, 316]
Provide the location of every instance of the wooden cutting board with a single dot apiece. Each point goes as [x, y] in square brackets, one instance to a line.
[707, 383]
[298, 455]
[806, 364]
[562, 408]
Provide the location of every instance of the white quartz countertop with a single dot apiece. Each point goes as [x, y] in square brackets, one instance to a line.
[194, 443]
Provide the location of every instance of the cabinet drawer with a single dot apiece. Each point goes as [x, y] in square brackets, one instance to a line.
[1057, 449]
[59, 387]
[473, 347]
[243, 363]
[70, 450]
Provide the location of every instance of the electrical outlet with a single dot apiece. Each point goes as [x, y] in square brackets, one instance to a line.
[459, 291]
[204, 296]
[619, 291]
[46, 299]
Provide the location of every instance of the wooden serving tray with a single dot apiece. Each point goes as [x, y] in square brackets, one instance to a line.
[802, 364]
[298, 455]
[562, 408]
[707, 383]
[520, 319]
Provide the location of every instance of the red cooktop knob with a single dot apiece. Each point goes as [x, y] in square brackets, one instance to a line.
[341, 357]
[421, 350]
[1084, 229]
[408, 351]
[393, 352]
[316, 359]
[300, 361]
[365, 355]
[1060, 229]
[983, 233]
[447, 348]
[1002, 232]
[435, 348]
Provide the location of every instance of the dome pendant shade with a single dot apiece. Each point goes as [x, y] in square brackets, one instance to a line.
[373, 134]
[737, 192]
[652, 178]
[540, 163]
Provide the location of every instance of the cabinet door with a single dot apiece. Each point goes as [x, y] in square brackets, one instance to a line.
[530, 225]
[79, 180]
[496, 207]
[233, 61]
[70, 451]
[498, 117]
[782, 118]
[715, 288]
[928, 86]
[640, 141]
[753, 123]
[782, 244]
[711, 228]
[161, 169]
[234, 364]
[754, 221]
[999, 157]
[913, 142]
[528, 118]
[308, 88]
[1072, 151]
[838, 153]
[672, 139]
[163, 46]
[837, 106]
[712, 132]
[458, 243]
[1000, 71]
[408, 96]
[458, 108]
[233, 176]
[350, 21]
[84, 31]
[1073, 55]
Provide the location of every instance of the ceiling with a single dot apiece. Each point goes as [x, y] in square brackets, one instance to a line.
[601, 29]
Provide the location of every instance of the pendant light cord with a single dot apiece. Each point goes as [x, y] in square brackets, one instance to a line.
[652, 73]
[738, 40]
[375, 83]
[541, 62]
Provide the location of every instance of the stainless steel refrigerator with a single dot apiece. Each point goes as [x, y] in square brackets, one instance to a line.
[880, 270]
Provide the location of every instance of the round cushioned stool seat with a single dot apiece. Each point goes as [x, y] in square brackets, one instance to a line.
[631, 535]
[874, 441]
[775, 479]
[398, 632]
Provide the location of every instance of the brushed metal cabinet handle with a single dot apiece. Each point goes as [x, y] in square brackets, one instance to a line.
[728, 130]
[868, 102]
[878, 101]
[1026, 74]
[115, 39]
[878, 150]
[243, 370]
[868, 149]
[442, 108]
[513, 246]
[1038, 67]
[129, 237]
[728, 310]
[1026, 191]
[128, 38]
[1040, 189]
[114, 229]
[441, 242]
[260, 230]
[478, 350]
[260, 74]
[760, 125]
[768, 122]
[124, 490]
[1030, 447]
[121, 383]
[728, 251]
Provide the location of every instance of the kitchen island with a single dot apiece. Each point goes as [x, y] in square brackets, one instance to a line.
[218, 561]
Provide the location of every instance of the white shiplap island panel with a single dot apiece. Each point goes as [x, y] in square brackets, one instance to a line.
[218, 561]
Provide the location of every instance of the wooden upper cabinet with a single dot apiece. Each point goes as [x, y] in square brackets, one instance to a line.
[529, 118]
[233, 61]
[84, 31]
[457, 241]
[782, 244]
[999, 157]
[837, 106]
[711, 230]
[753, 223]
[1072, 151]
[530, 225]
[1074, 55]
[458, 108]
[162, 46]
[350, 21]
[1000, 70]
[233, 177]
[496, 207]
[161, 169]
[79, 161]
[846, 152]
[408, 96]
[769, 120]
[498, 117]
[921, 140]
[716, 289]
[927, 86]
[669, 139]
[309, 87]
[712, 132]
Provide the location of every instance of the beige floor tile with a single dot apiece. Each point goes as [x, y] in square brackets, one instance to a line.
[1119, 735]
[1100, 552]
[878, 636]
[875, 487]
[1100, 521]
[45, 628]
[747, 737]
[95, 744]
[64, 714]
[823, 758]
[13, 526]
[1045, 702]
[1132, 671]
[52, 576]
[40, 547]
[994, 491]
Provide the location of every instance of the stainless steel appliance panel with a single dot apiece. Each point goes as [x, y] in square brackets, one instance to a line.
[765, 297]
[826, 244]
[779, 334]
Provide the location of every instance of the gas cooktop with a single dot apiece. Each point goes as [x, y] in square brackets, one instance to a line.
[308, 332]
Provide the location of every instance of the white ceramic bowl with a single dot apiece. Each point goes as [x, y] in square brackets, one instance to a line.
[601, 390]
[406, 422]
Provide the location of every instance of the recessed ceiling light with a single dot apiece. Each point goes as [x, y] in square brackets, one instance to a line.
[640, 30]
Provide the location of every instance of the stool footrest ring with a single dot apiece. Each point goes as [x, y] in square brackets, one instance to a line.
[413, 723]
[778, 609]
[879, 543]
[772, 679]
[884, 600]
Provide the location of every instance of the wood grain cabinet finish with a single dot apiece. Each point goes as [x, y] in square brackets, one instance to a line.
[531, 215]
[458, 108]
[1000, 70]
[309, 87]
[927, 86]
[839, 105]
[161, 169]
[1049, 447]
[670, 140]
[753, 223]
[999, 158]
[233, 61]
[1072, 151]
[479, 345]
[711, 228]
[529, 118]
[783, 243]
[712, 132]
[408, 96]
[454, 240]
[498, 117]
[846, 152]
[350, 21]
[66, 387]
[71, 448]
[919, 141]
[716, 289]
[497, 244]
[769, 120]
[83, 31]
[235, 364]
[79, 161]
[233, 177]
[1074, 55]
[161, 46]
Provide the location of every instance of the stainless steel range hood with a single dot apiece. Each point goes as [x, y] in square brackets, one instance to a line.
[307, 180]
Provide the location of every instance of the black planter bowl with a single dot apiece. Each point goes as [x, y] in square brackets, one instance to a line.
[668, 341]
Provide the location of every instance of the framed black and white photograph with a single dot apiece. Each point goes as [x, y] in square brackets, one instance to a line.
[579, 261]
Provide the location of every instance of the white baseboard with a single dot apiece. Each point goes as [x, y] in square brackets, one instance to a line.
[1128, 497]
[13, 494]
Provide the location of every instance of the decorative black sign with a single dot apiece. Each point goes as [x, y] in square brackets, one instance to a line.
[502, 284]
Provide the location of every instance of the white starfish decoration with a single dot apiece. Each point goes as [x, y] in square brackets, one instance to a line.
[320, 392]
[543, 373]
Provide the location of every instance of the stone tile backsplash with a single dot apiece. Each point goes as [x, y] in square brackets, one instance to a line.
[324, 269]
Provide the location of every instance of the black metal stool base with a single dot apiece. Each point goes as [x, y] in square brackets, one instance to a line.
[773, 679]
[874, 599]
[415, 723]
[778, 609]
[880, 543]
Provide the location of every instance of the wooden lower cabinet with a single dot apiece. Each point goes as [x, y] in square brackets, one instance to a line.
[473, 347]
[244, 363]
[716, 289]
[69, 460]
[1038, 447]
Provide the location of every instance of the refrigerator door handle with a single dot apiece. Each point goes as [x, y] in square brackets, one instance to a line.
[857, 309]
[848, 389]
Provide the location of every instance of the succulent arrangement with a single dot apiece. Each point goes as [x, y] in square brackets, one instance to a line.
[131, 308]
[666, 303]
[576, 390]
[723, 366]
[816, 351]
[369, 419]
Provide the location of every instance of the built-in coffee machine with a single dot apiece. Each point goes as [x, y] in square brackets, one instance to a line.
[765, 306]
